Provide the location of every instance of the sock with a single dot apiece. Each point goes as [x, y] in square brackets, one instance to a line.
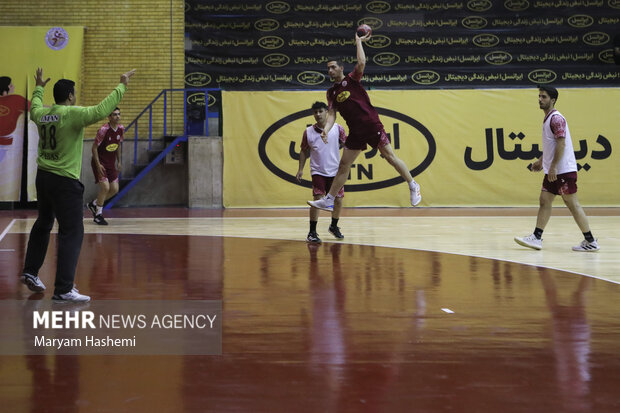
[99, 210]
[95, 202]
[412, 184]
[538, 233]
[588, 236]
[334, 222]
[329, 196]
[313, 226]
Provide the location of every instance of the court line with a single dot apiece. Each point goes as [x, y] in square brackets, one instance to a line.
[340, 242]
[7, 229]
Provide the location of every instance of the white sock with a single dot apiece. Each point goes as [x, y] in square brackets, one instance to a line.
[412, 184]
[99, 210]
[329, 196]
[95, 202]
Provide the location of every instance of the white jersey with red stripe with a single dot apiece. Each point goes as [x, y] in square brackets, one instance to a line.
[555, 126]
[324, 157]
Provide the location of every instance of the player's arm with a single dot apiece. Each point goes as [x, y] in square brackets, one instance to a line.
[558, 128]
[304, 154]
[95, 154]
[92, 114]
[331, 119]
[560, 144]
[36, 103]
[361, 55]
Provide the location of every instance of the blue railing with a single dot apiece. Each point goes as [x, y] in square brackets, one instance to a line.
[194, 123]
[191, 124]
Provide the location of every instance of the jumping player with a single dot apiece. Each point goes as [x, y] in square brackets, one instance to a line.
[348, 96]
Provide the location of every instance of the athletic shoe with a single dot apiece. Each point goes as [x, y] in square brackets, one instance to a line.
[33, 283]
[587, 246]
[530, 241]
[313, 237]
[92, 208]
[100, 220]
[71, 297]
[335, 231]
[416, 196]
[323, 203]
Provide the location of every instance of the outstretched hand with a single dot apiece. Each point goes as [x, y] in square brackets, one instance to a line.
[38, 78]
[363, 38]
[125, 76]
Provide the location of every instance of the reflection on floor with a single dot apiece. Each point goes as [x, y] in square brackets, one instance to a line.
[337, 327]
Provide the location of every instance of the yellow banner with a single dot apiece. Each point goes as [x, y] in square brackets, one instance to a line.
[465, 147]
[58, 50]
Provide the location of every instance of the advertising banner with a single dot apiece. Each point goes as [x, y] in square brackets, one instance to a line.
[58, 50]
[465, 147]
[254, 45]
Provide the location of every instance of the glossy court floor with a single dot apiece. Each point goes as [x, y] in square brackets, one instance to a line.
[416, 310]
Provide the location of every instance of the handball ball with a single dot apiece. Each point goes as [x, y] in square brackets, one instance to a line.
[363, 30]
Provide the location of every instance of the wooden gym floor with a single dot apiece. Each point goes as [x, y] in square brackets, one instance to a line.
[416, 310]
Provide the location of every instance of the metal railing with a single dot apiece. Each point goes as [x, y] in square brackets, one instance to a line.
[193, 99]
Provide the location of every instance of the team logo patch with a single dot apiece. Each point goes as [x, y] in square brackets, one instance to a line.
[344, 83]
[342, 96]
[111, 147]
[56, 38]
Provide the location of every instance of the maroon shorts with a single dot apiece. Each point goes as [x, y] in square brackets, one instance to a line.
[111, 174]
[374, 139]
[566, 184]
[321, 185]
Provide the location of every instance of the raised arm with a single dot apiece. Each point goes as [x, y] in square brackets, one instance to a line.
[361, 55]
[98, 112]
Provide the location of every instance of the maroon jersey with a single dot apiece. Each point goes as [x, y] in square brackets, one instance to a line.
[108, 140]
[350, 99]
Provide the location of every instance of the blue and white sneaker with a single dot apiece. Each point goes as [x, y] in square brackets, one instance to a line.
[324, 203]
[33, 283]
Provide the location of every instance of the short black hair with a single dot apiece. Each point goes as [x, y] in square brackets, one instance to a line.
[5, 82]
[551, 91]
[338, 60]
[115, 109]
[319, 105]
[62, 89]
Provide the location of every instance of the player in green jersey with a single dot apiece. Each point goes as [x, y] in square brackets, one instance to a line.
[59, 191]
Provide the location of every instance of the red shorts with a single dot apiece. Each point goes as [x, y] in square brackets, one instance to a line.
[566, 184]
[321, 185]
[111, 174]
[374, 139]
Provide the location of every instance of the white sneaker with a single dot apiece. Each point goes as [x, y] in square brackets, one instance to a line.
[416, 196]
[33, 283]
[587, 246]
[530, 241]
[72, 296]
[324, 203]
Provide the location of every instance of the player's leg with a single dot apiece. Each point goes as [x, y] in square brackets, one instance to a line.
[313, 236]
[104, 188]
[113, 189]
[534, 240]
[414, 188]
[333, 227]
[348, 157]
[575, 208]
[39, 235]
[69, 213]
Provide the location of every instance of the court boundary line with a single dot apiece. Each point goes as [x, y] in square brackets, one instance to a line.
[327, 242]
[8, 228]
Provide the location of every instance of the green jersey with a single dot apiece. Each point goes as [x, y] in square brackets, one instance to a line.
[61, 130]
